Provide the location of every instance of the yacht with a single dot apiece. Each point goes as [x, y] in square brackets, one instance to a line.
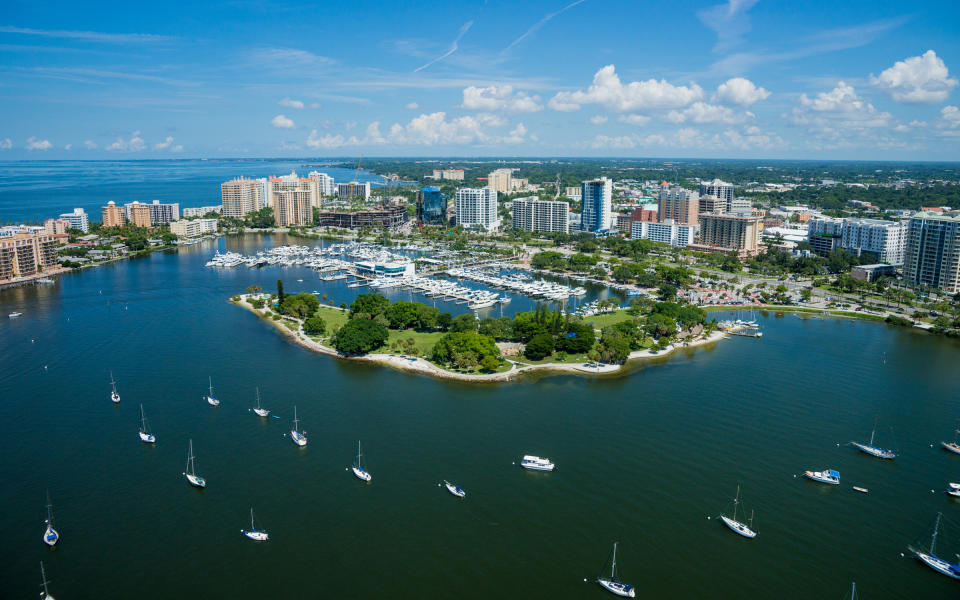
[210, 399]
[260, 412]
[145, 434]
[50, 536]
[535, 463]
[953, 446]
[191, 472]
[299, 437]
[826, 476]
[611, 584]
[45, 594]
[872, 450]
[736, 526]
[257, 535]
[358, 469]
[113, 386]
[953, 489]
[456, 490]
[932, 560]
[14, 315]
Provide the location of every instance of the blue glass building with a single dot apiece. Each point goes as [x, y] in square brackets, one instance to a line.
[431, 206]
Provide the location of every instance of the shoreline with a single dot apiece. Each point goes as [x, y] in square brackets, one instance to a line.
[421, 365]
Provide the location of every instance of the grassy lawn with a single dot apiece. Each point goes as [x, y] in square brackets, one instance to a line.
[423, 340]
[333, 316]
[601, 321]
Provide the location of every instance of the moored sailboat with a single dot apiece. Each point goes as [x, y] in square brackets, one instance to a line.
[145, 434]
[932, 560]
[456, 490]
[210, 398]
[50, 536]
[257, 535]
[45, 594]
[191, 472]
[114, 396]
[261, 412]
[953, 446]
[872, 450]
[611, 584]
[358, 469]
[299, 437]
[736, 526]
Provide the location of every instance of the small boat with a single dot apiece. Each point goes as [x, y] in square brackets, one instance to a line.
[874, 450]
[45, 594]
[735, 525]
[261, 412]
[456, 490]
[953, 489]
[299, 437]
[826, 476]
[932, 560]
[50, 536]
[953, 446]
[611, 584]
[145, 434]
[861, 489]
[191, 472]
[210, 399]
[113, 387]
[358, 469]
[14, 315]
[257, 535]
[535, 463]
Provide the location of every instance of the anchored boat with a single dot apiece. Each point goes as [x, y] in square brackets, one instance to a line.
[261, 412]
[953, 446]
[735, 525]
[535, 463]
[825, 476]
[932, 560]
[113, 387]
[299, 437]
[872, 450]
[145, 434]
[257, 535]
[45, 594]
[611, 584]
[50, 536]
[456, 490]
[191, 472]
[358, 469]
[210, 399]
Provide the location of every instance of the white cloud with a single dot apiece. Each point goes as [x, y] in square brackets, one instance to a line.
[917, 80]
[93, 36]
[740, 91]
[701, 112]
[327, 141]
[634, 119]
[282, 122]
[35, 144]
[411, 106]
[841, 104]
[620, 141]
[6, 144]
[729, 21]
[68, 146]
[499, 97]
[177, 148]
[429, 130]
[950, 114]
[750, 138]
[90, 145]
[164, 144]
[287, 102]
[516, 135]
[598, 119]
[134, 144]
[608, 91]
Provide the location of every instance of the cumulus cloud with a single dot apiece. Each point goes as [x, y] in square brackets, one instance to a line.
[428, 130]
[598, 119]
[840, 104]
[164, 144]
[34, 144]
[701, 112]
[499, 97]
[749, 139]
[282, 122]
[634, 119]
[608, 91]
[917, 80]
[6, 144]
[134, 144]
[411, 106]
[68, 146]
[90, 145]
[287, 102]
[740, 91]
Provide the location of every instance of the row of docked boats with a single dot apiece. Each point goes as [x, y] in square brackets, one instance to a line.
[519, 283]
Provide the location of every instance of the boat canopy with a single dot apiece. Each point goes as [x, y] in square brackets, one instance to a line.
[833, 473]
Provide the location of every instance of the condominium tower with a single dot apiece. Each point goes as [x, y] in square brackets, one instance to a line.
[932, 255]
[113, 215]
[718, 189]
[240, 197]
[431, 206]
[732, 234]
[531, 214]
[595, 200]
[26, 254]
[78, 219]
[678, 204]
[477, 208]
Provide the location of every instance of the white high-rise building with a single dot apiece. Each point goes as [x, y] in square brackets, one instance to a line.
[164, 213]
[241, 197]
[477, 208]
[669, 232]
[325, 184]
[531, 214]
[720, 189]
[595, 201]
[886, 239]
[78, 220]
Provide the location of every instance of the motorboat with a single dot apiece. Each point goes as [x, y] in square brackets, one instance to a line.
[826, 476]
[535, 463]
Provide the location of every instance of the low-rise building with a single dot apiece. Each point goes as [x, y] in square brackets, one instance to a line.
[452, 174]
[669, 232]
[193, 227]
[872, 272]
[201, 211]
[387, 216]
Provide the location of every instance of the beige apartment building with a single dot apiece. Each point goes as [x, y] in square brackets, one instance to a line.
[113, 215]
[240, 197]
[26, 254]
[679, 205]
[56, 226]
[501, 180]
[731, 234]
[293, 208]
[140, 215]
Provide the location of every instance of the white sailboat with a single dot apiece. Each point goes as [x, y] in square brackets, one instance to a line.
[45, 594]
[210, 399]
[932, 560]
[299, 437]
[113, 387]
[456, 490]
[611, 584]
[257, 535]
[261, 412]
[953, 446]
[145, 434]
[735, 525]
[191, 472]
[50, 536]
[874, 450]
[953, 489]
[358, 469]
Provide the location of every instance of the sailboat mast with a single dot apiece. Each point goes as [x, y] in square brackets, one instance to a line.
[258, 403]
[251, 520]
[874, 432]
[43, 574]
[613, 567]
[933, 540]
[735, 502]
[211, 385]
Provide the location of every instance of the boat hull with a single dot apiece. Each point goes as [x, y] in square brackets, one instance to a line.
[738, 527]
[50, 536]
[298, 438]
[262, 412]
[361, 474]
[624, 590]
[148, 438]
[115, 398]
[459, 493]
[212, 401]
[874, 451]
[951, 447]
[196, 481]
[939, 565]
[255, 535]
[820, 478]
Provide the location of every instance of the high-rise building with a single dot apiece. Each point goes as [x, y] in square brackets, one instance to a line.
[453, 174]
[711, 204]
[163, 213]
[26, 254]
[678, 204]
[886, 239]
[56, 226]
[732, 234]
[477, 208]
[240, 197]
[201, 211]
[294, 183]
[78, 219]
[351, 191]
[501, 180]
[193, 227]
[113, 215]
[718, 189]
[531, 214]
[932, 255]
[431, 206]
[293, 208]
[139, 215]
[325, 184]
[595, 200]
[671, 232]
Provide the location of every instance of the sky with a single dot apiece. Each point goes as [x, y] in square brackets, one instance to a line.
[849, 80]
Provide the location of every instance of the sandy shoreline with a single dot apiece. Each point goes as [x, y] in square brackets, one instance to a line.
[422, 365]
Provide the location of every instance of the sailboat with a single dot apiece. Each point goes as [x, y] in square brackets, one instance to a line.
[358, 466]
[456, 490]
[113, 386]
[611, 584]
[299, 437]
[210, 399]
[953, 490]
[735, 525]
[874, 450]
[45, 594]
[145, 434]
[50, 536]
[257, 535]
[932, 560]
[261, 412]
[191, 472]
[953, 446]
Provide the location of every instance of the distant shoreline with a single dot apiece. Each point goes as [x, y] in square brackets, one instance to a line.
[424, 366]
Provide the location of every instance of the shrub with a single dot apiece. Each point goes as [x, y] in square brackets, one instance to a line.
[315, 326]
[359, 336]
[539, 346]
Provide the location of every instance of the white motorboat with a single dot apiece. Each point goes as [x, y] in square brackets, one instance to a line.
[611, 584]
[114, 396]
[191, 472]
[872, 450]
[932, 560]
[14, 315]
[45, 595]
[736, 526]
[535, 463]
[826, 476]
[953, 489]
[50, 536]
[210, 399]
[145, 434]
[260, 412]
[299, 437]
[456, 490]
[358, 469]
[953, 446]
[257, 535]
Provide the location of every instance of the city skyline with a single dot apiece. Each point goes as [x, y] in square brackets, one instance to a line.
[740, 79]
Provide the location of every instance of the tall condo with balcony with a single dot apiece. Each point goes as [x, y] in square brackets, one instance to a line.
[531, 214]
[679, 205]
[595, 200]
[113, 215]
[240, 197]
[932, 256]
[477, 208]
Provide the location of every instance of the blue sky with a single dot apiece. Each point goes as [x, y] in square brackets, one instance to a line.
[743, 78]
